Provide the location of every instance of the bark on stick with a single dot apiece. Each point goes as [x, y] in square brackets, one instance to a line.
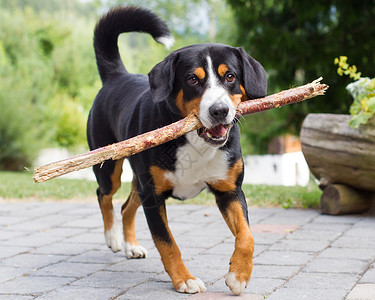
[165, 134]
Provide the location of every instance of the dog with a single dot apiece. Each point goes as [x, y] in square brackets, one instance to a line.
[209, 80]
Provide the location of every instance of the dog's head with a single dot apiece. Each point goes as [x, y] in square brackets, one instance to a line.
[209, 80]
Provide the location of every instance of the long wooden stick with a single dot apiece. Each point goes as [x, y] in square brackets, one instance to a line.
[170, 132]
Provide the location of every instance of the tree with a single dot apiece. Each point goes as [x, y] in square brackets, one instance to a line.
[297, 41]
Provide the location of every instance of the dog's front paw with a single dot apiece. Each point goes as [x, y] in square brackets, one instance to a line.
[135, 251]
[191, 286]
[237, 284]
[114, 237]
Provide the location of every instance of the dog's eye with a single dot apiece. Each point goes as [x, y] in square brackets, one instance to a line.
[193, 80]
[230, 77]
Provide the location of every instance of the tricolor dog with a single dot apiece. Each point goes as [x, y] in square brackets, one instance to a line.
[209, 80]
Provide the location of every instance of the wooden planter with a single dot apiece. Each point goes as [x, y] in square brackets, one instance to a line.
[342, 159]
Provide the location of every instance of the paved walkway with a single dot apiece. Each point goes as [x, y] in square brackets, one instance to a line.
[57, 251]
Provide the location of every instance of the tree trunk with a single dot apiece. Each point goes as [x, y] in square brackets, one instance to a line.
[340, 199]
[337, 153]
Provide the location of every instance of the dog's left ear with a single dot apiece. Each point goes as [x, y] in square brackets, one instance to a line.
[161, 78]
[254, 76]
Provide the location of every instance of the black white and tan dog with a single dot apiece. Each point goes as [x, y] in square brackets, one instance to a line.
[207, 79]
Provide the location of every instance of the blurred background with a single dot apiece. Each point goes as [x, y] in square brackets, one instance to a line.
[48, 75]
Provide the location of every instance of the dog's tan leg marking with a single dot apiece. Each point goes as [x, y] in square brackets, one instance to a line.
[183, 281]
[129, 210]
[112, 228]
[229, 184]
[241, 262]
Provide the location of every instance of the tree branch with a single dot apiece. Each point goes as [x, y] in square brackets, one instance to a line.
[170, 132]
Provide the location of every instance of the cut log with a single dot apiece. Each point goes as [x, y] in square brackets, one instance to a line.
[337, 153]
[165, 134]
[340, 199]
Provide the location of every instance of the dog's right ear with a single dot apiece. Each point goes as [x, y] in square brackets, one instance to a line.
[161, 78]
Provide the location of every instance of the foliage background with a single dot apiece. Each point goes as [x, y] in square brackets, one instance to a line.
[49, 79]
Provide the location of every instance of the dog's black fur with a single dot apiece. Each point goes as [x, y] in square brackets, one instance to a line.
[188, 80]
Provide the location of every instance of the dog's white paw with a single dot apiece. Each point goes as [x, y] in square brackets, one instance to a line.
[235, 286]
[135, 251]
[192, 286]
[114, 237]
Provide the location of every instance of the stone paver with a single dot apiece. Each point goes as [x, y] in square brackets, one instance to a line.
[54, 250]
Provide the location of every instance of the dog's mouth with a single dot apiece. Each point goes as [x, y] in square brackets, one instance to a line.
[216, 136]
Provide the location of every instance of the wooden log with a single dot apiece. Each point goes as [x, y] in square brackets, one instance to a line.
[338, 199]
[165, 134]
[337, 153]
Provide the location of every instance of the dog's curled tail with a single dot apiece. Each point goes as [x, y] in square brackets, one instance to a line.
[120, 20]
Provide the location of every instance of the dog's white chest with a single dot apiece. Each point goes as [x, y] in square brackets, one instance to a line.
[197, 163]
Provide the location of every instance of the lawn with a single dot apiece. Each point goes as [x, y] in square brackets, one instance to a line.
[20, 186]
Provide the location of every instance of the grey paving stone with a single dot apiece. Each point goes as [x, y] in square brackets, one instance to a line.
[87, 237]
[84, 223]
[305, 281]
[362, 292]
[308, 294]
[342, 265]
[358, 253]
[33, 240]
[8, 273]
[364, 232]
[62, 248]
[66, 257]
[10, 234]
[76, 292]
[153, 290]
[344, 219]
[277, 272]
[30, 226]
[263, 285]
[258, 249]
[221, 249]
[116, 280]
[32, 260]
[15, 297]
[286, 258]
[99, 257]
[369, 276]
[300, 245]
[217, 262]
[266, 238]
[69, 269]
[32, 285]
[366, 222]
[7, 221]
[148, 265]
[208, 276]
[66, 232]
[7, 251]
[335, 227]
[321, 235]
[354, 242]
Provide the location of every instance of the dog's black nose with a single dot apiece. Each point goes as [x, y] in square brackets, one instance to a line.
[219, 111]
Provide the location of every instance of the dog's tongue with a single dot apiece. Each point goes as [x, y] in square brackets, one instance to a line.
[218, 131]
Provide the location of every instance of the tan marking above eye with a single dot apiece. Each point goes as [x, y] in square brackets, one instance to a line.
[200, 73]
[223, 68]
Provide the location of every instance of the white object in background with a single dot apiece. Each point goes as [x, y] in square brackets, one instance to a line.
[287, 169]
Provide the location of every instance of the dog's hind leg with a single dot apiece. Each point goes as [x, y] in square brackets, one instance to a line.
[109, 178]
[128, 211]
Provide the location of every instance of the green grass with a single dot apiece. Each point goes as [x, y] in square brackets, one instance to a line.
[15, 185]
